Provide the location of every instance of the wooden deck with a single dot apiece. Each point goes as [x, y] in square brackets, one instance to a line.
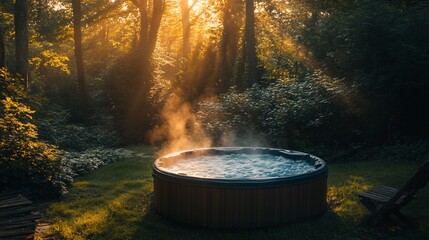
[18, 218]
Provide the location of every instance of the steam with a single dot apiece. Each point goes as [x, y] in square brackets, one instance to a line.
[180, 128]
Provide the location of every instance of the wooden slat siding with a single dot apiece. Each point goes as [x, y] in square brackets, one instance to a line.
[189, 204]
[269, 207]
[237, 208]
[278, 205]
[216, 207]
[299, 204]
[195, 204]
[226, 200]
[294, 203]
[223, 215]
[209, 207]
[259, 206]
[232, 207]
[203, 204]
[189, 207]
[253, 193]
[183, 200]
[247, 203]
[310, 197]
[304, 196]
[286, 206]
[175, 204]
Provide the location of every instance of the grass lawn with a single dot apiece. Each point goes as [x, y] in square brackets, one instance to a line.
[114, 202]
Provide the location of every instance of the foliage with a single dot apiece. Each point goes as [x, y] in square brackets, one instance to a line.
[57, 128]
[293, 113]
[382, 47]
[25, 160]
[79, 163]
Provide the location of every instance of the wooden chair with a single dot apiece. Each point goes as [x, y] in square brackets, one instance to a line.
[385, 201]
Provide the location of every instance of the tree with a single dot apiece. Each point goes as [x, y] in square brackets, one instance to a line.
[229, 43]
[77, 15]
[186, 28]
[21, 39]
[250, 43]
[131, 85]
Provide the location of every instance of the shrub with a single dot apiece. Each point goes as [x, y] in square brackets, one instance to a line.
[294, 113]
[79, 163]
[56, 128]
[26, 162]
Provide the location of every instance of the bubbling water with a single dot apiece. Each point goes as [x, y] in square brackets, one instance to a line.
[239, 166]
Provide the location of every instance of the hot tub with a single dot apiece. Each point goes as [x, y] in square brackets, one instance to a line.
[192, 187]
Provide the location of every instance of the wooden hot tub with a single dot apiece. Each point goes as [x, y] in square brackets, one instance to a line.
[239, 203]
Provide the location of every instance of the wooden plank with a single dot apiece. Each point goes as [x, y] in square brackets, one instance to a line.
[15, 204]
[19, 219]
[10, 194]
[12, 199]
[293, 196]
[216, 208]
[260, 206]
[22, 225]
[380, 188]
[278, 205]
[13, 233]
[375, 197]
[16, 211]
[204, 210]
[228, 202]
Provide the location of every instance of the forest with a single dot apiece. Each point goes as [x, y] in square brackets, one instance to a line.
[80, 78]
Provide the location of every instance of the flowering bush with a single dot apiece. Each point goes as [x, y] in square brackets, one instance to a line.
[79, 163]
[291, 113]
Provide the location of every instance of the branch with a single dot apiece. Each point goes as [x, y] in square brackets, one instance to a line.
[136, 3]
[103, 11]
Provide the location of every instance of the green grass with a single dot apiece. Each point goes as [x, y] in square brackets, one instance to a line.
[114, 202]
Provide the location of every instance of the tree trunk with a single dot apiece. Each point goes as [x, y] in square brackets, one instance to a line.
[186, 28]
[155, 23]
[144, 25]
[139, 110]
[21, 39]
[250, 43]
[2, 50]
[228, 44]
[77, 15]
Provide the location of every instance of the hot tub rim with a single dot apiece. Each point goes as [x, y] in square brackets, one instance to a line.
[321, 171]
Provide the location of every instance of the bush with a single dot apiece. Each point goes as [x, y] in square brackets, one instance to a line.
[26, 162]
[79, 163]
[293, 113]
[56, 128]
